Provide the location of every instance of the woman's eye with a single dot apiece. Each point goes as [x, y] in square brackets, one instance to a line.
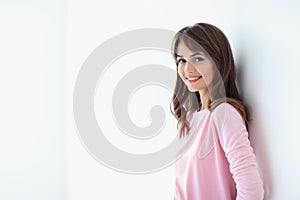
[198, 59]
[180, 61]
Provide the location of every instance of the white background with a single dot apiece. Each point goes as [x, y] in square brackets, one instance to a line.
[43, 45]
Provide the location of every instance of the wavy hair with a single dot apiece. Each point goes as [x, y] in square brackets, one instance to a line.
[216, 45]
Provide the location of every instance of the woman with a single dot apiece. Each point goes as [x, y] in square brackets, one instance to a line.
[220, 163]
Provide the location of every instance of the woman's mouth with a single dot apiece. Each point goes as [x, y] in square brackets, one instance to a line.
[193, 79]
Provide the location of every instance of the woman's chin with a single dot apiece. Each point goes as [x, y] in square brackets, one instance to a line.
[192, 89]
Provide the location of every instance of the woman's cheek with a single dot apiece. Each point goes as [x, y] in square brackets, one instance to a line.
[182, 78]
[180, 72]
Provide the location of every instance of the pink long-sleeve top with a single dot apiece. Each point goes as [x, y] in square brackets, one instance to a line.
[219, 163]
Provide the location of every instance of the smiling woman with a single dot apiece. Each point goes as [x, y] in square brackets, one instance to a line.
[220, 162]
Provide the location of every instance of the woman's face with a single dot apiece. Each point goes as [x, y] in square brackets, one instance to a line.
[195, 68]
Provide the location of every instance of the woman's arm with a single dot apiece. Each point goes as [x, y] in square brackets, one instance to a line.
[236, 145]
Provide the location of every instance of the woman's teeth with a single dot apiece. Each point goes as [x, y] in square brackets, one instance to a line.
[194, 78]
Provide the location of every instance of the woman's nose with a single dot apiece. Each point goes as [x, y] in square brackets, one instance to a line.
[189, 68]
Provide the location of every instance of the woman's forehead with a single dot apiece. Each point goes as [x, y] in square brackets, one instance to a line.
[184, 50]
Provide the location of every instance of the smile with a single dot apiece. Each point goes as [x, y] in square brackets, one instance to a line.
[193, 79]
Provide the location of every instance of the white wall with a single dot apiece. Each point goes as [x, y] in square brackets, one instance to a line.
[44, 44]
[267, 42]
[264, 39]
[33, 101]
[90, 23]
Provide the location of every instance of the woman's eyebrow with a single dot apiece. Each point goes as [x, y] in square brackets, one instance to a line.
[198, 53]
[194, 54]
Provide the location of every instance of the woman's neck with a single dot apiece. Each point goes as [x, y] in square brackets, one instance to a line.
[205, 98]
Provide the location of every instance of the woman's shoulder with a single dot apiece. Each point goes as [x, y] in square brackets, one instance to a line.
[226, 112]
[225, 106]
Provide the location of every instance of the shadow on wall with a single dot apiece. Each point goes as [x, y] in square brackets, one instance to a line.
[256, 133]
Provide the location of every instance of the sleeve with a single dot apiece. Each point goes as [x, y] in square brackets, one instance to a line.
[236, 145]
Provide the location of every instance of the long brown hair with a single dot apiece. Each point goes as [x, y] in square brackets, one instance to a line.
[217, 46]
